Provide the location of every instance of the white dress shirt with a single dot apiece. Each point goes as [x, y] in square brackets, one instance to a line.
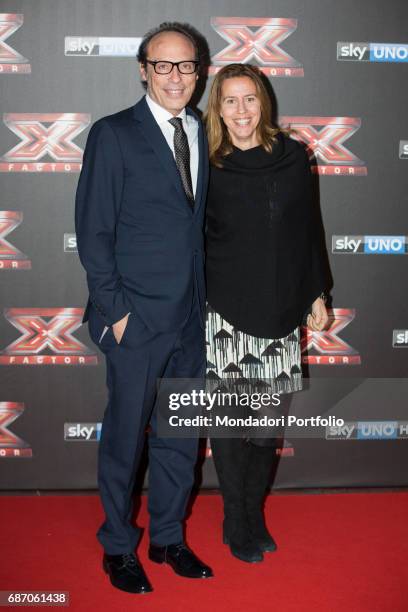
[190, 126]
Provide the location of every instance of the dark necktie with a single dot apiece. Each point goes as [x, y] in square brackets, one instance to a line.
[182, 154]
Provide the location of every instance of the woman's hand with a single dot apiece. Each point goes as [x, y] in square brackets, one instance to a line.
[317, 321]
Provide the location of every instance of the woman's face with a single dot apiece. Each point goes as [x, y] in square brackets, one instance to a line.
[241, 111]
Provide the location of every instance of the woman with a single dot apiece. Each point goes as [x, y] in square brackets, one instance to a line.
[265, 270]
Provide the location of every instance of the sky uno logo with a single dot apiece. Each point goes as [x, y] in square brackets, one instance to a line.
[82, 432]
[377, 430]
[70, 243]
[354, 51]
[372, 52]
[102, 46]
[400, 338]
[403, 149]
[370, 245]
[369, 430]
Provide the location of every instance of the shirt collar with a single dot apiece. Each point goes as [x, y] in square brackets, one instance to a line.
[161, 114]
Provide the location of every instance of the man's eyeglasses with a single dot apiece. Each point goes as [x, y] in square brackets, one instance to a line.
[166, 67]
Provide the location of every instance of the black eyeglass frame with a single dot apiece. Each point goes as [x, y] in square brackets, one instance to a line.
[153, 63]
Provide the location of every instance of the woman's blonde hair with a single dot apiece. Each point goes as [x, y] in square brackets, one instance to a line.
[219, 140]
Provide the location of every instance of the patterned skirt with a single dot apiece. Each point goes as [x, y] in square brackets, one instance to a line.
[236, 357]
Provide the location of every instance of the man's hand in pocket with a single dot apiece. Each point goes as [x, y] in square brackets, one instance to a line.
[119, 327]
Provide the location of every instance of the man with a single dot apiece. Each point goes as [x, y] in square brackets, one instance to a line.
[139, 224]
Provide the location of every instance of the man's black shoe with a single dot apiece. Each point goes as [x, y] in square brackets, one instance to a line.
[126, 573]
[181, 559]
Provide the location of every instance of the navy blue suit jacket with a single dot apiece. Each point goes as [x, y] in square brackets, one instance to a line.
[138, 238]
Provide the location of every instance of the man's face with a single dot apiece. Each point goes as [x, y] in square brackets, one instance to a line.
[172, 91]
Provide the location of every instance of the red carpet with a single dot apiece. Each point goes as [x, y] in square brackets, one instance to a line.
[337, 552]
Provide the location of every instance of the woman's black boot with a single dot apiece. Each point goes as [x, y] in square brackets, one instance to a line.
[231, 457]
[262, 460]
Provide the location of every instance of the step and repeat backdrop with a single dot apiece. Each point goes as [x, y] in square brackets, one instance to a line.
[338, 71]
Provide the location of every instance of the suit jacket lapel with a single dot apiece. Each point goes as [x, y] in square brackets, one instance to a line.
[201, 161]
[155, 138]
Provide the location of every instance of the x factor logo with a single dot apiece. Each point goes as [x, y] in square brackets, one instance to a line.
[47, 338]
[324, 139]
[44, 135]
[10, 444]
[253, 39]
[10, 256]
[11, 61]
[326, 346]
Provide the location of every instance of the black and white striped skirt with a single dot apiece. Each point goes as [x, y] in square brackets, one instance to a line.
[236, 357]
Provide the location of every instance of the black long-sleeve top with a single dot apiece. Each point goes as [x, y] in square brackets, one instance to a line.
[265, 257]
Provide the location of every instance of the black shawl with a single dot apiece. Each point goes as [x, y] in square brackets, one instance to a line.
[266, 260]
